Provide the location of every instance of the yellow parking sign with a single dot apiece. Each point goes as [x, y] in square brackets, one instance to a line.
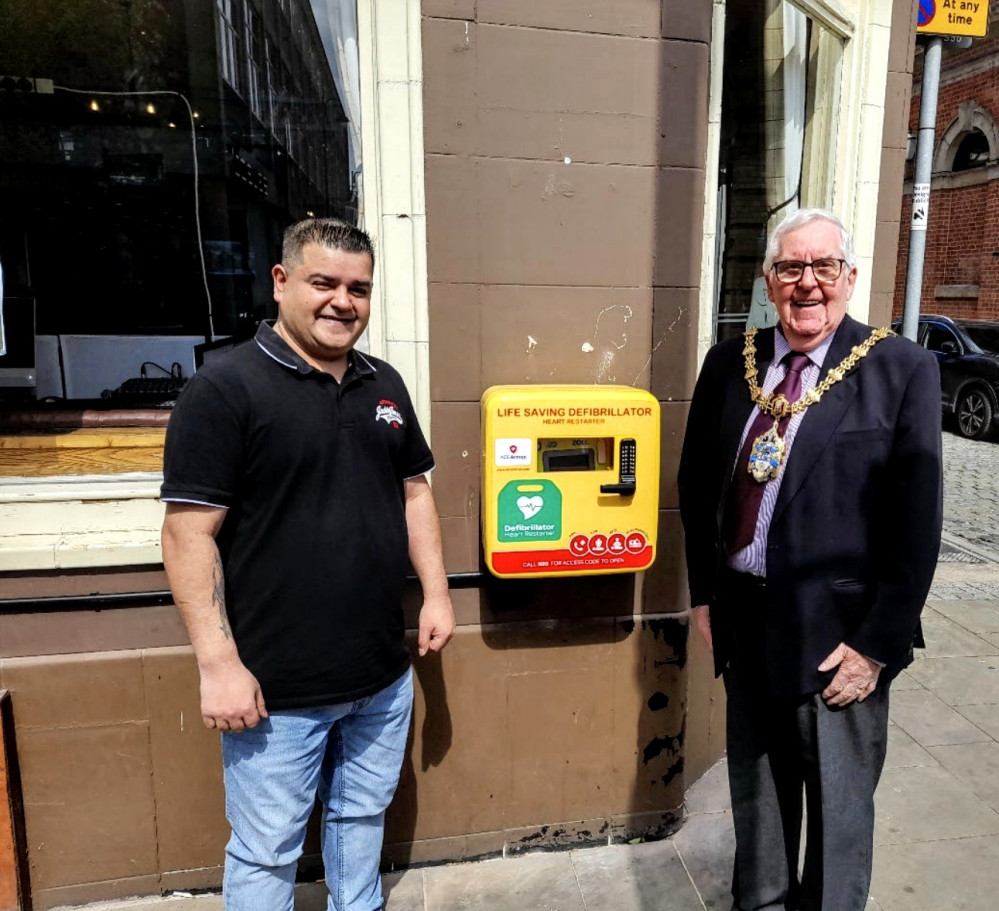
[967, 18]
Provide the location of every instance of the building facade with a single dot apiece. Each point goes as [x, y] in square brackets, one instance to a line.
[560, 193]
[961, 265]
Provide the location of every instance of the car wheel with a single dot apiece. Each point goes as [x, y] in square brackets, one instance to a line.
[974, 414]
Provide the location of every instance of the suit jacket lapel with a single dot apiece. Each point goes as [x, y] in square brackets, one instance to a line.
[822, 418]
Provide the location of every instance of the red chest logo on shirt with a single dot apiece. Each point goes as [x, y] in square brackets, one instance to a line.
[388, 411]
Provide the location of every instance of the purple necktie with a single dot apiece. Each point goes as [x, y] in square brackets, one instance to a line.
[745, 494]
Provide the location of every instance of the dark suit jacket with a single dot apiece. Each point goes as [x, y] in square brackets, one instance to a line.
[856, 528]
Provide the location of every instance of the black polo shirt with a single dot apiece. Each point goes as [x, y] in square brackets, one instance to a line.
[314, 543]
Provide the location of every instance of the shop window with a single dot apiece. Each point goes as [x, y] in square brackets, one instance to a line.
[780, 99]
[151, 155]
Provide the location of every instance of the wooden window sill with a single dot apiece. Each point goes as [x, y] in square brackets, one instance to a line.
[43, 449]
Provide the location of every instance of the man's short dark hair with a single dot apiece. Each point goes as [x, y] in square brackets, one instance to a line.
[333, 233]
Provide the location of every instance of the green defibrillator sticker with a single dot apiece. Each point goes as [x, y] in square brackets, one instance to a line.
[530, 511]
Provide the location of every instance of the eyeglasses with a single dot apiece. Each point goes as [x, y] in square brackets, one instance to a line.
[825, 270]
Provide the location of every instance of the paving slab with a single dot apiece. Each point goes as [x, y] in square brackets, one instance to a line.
[541, 882]
[930, 721]
[946, 638]
[959, 681]
[181, 901]
[310, 897]
[903, 751]
[647, 877]
[706, 845]
[927, 804]
[985, 717]
[709, 794]
[976, 764]
[403, 891]
[977, 616]
[958, 875]
[905, 681]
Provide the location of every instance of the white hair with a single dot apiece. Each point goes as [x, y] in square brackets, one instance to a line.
[799, 219]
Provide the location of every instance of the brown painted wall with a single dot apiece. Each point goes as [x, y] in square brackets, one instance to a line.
[121, 782]
[527, 732]
[893, 147]
[565, 153]
[13, 876]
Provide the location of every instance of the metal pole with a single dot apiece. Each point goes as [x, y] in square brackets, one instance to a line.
[921, 187]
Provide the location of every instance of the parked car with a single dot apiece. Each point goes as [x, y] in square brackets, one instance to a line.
[968, 352]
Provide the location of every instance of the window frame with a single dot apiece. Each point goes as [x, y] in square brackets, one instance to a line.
[943, 328]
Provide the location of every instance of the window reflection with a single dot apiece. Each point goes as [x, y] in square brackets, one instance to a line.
[780, 97]
[149, 168]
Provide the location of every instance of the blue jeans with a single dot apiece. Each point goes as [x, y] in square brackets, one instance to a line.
[350, 755]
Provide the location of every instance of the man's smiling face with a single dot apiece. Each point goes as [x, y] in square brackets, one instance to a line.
[810, 311]
[324, 303]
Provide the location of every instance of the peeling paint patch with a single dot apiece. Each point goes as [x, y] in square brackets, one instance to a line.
[558, 838]
[668, 824]
[561, 187]
[608, 343]
[541, 833]
[673, 771]
[659, 745]
[603, 370]
[672, 633]
[532, 343]
[658, 701]
[567, 160]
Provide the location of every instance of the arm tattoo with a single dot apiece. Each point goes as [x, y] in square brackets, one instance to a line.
[218, 597]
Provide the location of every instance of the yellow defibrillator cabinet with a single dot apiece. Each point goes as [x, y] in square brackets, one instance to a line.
[570, 480]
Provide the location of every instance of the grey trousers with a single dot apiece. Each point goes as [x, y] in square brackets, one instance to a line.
[780, 750]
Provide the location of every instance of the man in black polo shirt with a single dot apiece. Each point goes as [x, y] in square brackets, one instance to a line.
[294, 478]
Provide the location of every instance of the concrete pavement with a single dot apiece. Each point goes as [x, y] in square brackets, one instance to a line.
[937, 825]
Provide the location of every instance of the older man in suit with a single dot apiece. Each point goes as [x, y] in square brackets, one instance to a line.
[810, 493]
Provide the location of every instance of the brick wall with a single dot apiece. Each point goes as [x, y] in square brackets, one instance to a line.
[962, 242]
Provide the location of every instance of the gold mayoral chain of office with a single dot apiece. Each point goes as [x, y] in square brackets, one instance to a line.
[767, 455]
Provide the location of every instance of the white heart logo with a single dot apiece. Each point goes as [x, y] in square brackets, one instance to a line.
[530, 506]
